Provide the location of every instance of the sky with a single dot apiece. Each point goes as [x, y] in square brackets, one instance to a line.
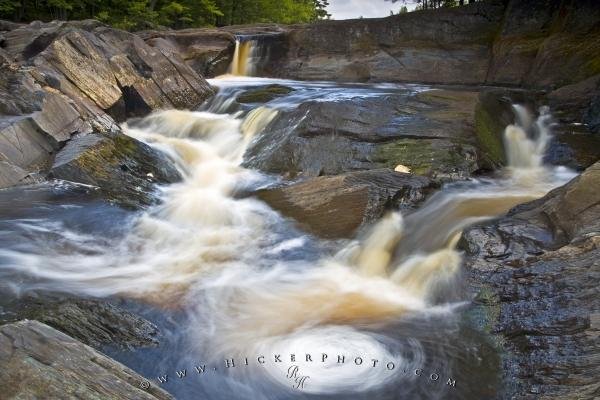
[346, 9]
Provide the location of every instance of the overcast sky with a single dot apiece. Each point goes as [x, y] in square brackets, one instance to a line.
[346, 9]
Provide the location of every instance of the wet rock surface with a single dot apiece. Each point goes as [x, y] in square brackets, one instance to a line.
[431, 133]
[96, 323]
[41, 362]
[514, 43]
[124, 169]
[64, 78]
[338, 206]
[264, 94]
[573, 143]
[535, 274]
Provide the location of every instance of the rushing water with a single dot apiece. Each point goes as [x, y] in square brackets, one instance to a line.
[247, 54]
[231, 283]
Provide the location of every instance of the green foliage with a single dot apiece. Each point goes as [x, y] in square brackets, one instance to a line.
[177, 14]
[429, 4]
[236, 12]
[7, 7]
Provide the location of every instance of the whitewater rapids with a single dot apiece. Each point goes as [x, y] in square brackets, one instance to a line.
[215, 255]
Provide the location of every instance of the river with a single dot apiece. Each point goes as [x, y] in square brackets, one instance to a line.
[242, 296]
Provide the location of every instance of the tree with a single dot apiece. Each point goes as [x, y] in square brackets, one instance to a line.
[321, 9]
[144, 14]
[429, 4]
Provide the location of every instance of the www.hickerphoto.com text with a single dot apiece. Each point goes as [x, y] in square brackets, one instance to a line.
[297, 360]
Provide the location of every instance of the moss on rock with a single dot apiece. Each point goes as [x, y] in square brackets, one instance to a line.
[124, 169]
[487, 128]
[263, 94]
[431, 157]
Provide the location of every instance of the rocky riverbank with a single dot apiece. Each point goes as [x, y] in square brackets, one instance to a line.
[534, 276]
[65, 79]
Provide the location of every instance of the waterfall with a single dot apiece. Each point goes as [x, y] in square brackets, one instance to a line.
[526, 140]
[245, 57]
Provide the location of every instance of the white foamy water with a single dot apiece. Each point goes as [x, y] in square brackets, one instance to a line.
[198, 229]
[527, 139]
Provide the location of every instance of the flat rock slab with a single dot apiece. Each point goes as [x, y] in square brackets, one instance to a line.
[337, 206]
[431, 133]
[39, 362]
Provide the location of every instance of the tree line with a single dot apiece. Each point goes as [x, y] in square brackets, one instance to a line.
[177, 14]
[431, 4]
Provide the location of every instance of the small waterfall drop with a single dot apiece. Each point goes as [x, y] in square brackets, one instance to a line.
[526, 141]
[244, 57]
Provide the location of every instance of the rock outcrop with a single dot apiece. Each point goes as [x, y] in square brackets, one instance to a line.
[573, 143]
[65, 78]
[430, 133]
[445, 46]
[338, 206]
[96, 323]
[41, 362]
[124, 169]
[535, 275]
[515, 43]
[506, 43]
[206, 51]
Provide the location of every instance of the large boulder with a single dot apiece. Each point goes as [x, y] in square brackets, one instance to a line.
[123, 169]
[431, 133]
[39, 362]
[535, 274]
[337, 206]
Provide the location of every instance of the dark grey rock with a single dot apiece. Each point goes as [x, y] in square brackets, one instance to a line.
[96, 323]
[65, 78]
[535, 275]
[592, 114]
[40, 362]
[124, 169]
[263, 94]
[431, 133]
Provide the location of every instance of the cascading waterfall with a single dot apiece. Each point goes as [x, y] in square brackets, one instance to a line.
[396, 270]
[244, 57]
[197, 229]
[526, 140]
[213, 255]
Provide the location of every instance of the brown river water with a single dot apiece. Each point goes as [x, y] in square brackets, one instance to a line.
[235, 288]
